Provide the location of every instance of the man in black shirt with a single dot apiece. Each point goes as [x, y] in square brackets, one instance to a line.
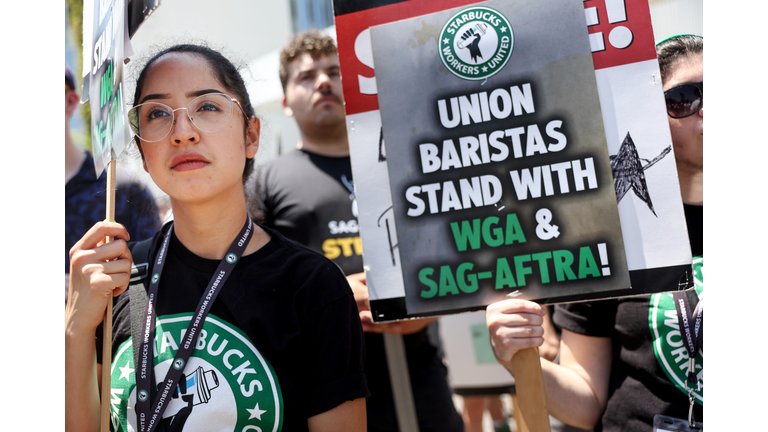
[308, 195]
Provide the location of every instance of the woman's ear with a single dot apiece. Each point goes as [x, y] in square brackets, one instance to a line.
[252, 135]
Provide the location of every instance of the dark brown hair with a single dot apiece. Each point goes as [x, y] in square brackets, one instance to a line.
[312, 42]
[677, 47]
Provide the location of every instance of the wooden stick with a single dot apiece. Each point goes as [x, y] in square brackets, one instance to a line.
[106, 358]
[519, 421]
[529, 385]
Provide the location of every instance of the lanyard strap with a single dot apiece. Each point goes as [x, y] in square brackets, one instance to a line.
[148, 419]
[691, 328]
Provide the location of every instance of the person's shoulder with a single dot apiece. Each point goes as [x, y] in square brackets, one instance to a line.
[286, 159]
[299, 259]
[293, 248]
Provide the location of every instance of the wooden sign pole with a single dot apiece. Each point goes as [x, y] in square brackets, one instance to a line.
[106, 358]
[529, 385]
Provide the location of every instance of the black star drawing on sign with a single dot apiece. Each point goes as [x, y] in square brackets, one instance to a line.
[629, 171]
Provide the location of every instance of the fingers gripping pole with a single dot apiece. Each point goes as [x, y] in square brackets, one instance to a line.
[106, 362]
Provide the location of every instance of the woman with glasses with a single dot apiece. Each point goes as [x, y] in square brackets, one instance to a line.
[623, 364]
[238, 328]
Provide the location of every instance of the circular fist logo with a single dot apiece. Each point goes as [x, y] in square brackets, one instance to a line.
[143, 395]
[231, 258]
[476, 43]
[178, 364]
[155, 277]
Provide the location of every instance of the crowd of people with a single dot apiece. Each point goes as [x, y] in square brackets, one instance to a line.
[257, 329]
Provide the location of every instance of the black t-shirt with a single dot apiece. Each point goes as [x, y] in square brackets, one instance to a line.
[310, 198]
[649, 363]
[282, 342]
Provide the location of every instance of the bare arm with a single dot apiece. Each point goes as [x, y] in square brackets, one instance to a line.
[577, 388]
[349, 416]
[98, 271]
[580, 381]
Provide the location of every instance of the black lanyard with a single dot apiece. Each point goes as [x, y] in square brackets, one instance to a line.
[148, 419]
[691, 329]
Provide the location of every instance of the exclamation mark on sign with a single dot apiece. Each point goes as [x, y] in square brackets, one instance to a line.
[620, 36]
[603, 250]
[596, 41]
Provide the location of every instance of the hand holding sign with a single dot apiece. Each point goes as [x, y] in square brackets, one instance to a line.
[514, 325]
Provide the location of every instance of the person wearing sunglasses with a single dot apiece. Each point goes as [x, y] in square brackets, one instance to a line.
[681, 62]
[623, 362]
[239, 328]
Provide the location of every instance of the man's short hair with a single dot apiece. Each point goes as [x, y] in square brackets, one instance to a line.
[313, 42]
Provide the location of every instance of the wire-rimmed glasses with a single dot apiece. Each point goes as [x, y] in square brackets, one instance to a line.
[211, 112]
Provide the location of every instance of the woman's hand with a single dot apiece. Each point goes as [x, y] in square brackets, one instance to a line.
[514, 325]
[98, 271]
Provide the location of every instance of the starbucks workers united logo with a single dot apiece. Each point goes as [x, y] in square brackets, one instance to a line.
[225, 385]
[476, 43]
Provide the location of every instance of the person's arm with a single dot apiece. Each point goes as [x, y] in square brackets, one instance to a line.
[98, 271]
[349, 416]
[577, 388]
[360, 289]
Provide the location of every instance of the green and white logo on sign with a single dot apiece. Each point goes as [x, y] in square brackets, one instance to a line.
[476, 43]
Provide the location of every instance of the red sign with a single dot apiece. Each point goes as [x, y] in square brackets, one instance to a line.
[620, 33]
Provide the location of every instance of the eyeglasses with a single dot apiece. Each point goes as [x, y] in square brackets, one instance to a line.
[684, 100]
[153, 121]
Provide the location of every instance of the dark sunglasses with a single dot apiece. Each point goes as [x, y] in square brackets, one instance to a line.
[684, 100]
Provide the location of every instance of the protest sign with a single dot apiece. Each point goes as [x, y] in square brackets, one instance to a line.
[138, 12]
[498, 159]
[104, 64]
[497, 166]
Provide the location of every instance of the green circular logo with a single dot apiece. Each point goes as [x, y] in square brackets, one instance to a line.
[225, 376]
[143, 395]
[668, 345]
[476, 43]
[178, 364]
[155, 277]
[231, 258]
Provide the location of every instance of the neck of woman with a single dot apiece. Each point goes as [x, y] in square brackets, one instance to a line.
[208, 229]
[691, 186]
